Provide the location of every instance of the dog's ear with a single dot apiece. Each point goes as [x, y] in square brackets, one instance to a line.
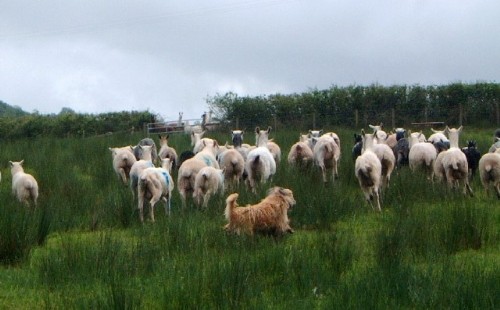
[285, 191]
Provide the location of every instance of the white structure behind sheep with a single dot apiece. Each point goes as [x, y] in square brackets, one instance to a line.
[260, 164]
[208, 182]
[24, 185]
[489, 171]
[368, 171]
[123, 159]
[155, 184]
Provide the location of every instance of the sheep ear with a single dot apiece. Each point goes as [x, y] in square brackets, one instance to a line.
[21, 162]
[321, 132]
[257, 129]
[362, 132]
[371, 126]
[460, 128]
[269, 129]
[11, 163]
[381, 125]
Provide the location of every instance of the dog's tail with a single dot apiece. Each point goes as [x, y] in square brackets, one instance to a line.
[230, 205]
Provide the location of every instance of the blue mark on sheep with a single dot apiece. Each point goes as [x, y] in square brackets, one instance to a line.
[207, 160]
[167, 177]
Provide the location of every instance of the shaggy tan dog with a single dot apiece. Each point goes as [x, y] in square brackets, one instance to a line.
[269, 216]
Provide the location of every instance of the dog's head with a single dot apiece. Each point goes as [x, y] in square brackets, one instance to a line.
[285, 193]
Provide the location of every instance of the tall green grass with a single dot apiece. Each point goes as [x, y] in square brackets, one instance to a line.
[84, 247]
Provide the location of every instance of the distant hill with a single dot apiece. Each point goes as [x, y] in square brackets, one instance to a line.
[10, 111]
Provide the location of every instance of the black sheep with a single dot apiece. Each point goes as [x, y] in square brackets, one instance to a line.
[358, 146]
[473, 156]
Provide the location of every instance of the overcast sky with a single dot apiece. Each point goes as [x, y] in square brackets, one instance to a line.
[97, 56]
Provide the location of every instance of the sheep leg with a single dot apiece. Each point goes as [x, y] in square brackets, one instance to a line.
[167, 205]
[123, 176]
[206, 197]
[140, 198]
[468, 189]
[376, 196]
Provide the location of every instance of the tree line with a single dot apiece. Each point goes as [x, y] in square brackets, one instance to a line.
[70, 124]
[472, 104]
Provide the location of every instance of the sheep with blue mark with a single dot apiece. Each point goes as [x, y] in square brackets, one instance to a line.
[155, 184]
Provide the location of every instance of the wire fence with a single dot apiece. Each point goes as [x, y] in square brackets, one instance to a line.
[392, 118]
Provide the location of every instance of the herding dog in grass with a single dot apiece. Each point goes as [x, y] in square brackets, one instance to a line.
[269, 216]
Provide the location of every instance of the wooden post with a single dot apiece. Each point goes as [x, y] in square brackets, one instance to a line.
[498, 113]
[461, 114]
[393, 117]
[356, 117]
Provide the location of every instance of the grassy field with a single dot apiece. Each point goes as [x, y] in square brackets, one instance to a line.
[84, 247]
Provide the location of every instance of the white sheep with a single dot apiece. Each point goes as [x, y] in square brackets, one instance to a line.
[384, 154]
[439, 140]
[379, 132]
[326, 154]
[335, 138]
[237, 140]
[273, 147]
[208, 153]
[24, 185]
[186, 177]
[368, 171]
[167, 151]
[300, 155]
[123, 159]
[208, 182]
[495, 145]
[155, 184]
[489, 171]
[233, 164]
[455, 163]
[195, 137]
[260, 164]
[139, 166]
[422, 154]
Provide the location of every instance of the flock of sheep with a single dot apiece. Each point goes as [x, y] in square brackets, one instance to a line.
[440, 156]
[211, 168]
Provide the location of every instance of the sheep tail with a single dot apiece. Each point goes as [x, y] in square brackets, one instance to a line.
[488, 168]
[256, 160]
[230, 205]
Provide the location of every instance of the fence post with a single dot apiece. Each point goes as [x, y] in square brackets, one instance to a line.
[498, 113]
[356, 117]
[393, 117]
[461, 114]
